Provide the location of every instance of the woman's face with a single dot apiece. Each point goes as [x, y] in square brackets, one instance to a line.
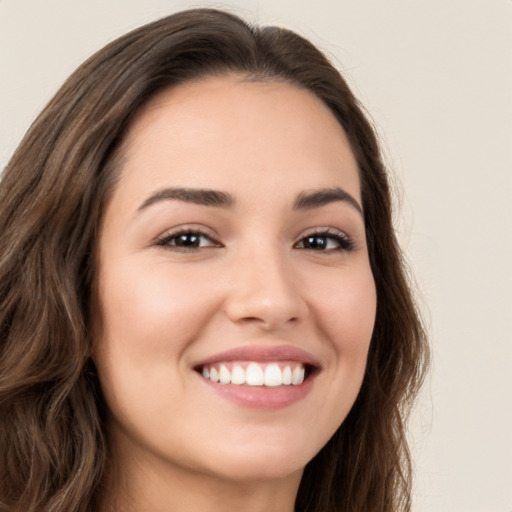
[233, 246]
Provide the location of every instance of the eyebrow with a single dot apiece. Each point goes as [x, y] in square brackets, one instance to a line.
[318, 198]
[218, 199]
[200, 196]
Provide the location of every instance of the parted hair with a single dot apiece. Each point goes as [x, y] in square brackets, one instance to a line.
[54, 454]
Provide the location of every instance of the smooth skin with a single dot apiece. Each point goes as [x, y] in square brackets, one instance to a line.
[179, 282]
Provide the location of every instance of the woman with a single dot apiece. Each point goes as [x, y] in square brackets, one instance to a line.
[203, 300]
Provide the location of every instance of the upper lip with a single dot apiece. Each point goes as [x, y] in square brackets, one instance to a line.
[262, 354]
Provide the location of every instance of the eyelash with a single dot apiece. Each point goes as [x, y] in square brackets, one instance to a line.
[343, 242]
[165, 240]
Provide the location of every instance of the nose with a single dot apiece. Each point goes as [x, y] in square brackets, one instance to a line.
[265, 292]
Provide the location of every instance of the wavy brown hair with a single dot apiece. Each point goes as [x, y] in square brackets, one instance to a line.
[54, 455]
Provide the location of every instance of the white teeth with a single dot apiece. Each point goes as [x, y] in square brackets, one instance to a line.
[297, 376]
[287, 375]
[238, 375]
[256, 374]
[224, 375]
[273, 375]
[214, 375]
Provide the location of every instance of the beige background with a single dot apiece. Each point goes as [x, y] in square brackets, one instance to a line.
[437, 78]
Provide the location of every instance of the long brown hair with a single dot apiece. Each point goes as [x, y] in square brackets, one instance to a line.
[53, 451]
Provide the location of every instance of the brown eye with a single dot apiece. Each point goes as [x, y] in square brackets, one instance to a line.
[315, 242]
[187, 240]
[325, 242]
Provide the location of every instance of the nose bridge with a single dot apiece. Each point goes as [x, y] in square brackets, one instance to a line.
[265, 289]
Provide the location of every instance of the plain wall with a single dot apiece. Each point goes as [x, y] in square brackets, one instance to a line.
[436, 77]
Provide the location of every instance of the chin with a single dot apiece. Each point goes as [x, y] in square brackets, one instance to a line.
[259, 469]
[269, 460]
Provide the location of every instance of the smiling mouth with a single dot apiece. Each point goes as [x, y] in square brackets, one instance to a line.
[257, 374]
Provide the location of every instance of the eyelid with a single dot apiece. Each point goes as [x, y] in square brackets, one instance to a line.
[326, 231]
[202, 231]
[348, 243]
[323, 229]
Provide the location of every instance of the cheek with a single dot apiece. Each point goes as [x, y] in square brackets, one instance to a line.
[347, 308]
[146, 309]
[346, 311]
[149, 316]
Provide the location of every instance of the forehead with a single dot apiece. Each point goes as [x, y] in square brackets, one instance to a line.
[222, 131]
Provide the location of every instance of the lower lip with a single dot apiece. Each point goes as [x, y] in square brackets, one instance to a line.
[260, 397]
